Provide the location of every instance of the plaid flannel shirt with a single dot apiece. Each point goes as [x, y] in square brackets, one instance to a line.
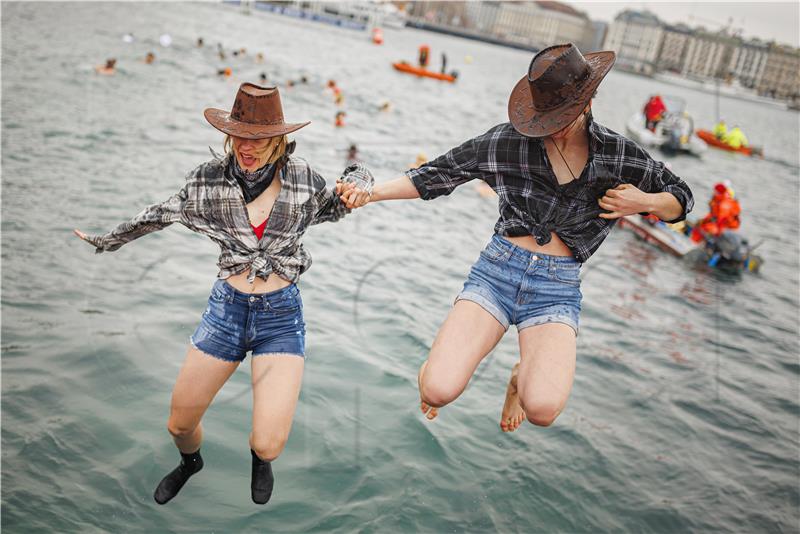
[212, 204]
[531, 200]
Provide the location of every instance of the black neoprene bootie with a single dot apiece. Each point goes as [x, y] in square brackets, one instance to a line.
[262, 480]
[171, 484]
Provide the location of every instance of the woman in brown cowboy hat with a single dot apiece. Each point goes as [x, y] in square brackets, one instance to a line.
[256, 203]
[562, 181]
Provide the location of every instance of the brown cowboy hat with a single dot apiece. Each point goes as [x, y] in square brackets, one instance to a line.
[559, 84]
[256, 114]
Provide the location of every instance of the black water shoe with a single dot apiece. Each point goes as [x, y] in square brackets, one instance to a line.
[171, 484]
[262, 480]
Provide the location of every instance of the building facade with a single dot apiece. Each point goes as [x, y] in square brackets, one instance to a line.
[747, 63]
[781, 76]
[541, 24]
[636, 38]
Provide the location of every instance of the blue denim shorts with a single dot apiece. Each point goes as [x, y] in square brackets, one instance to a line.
[264, 323]
[523, 288]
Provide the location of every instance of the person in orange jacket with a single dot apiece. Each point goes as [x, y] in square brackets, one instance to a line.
[723, 214]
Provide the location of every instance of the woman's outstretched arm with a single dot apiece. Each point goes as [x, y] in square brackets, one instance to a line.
[151, 219]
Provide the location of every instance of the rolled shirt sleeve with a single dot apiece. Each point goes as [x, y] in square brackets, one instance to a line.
[151, 219]
[663, 180]
[442, 175]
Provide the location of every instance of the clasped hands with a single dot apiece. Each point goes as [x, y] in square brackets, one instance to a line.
[351, 195]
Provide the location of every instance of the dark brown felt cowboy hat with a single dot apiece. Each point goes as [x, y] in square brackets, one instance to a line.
[559, 84]
[256, 114]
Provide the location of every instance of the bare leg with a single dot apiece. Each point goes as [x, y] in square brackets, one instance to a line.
[199, 380]
[513, 414]
[546, 371]
[468, 334]
[276, 387]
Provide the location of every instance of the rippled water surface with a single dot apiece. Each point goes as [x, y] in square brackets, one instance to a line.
[684, 413]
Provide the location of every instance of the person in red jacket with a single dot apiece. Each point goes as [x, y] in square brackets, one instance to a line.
[654, 112]
[723, 214]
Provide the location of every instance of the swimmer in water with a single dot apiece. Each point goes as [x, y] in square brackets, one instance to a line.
[108, 68]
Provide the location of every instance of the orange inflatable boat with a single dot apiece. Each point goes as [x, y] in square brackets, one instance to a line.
[411, 69]
[710, 139]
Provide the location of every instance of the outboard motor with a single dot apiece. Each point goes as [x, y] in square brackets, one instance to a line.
[731, 250]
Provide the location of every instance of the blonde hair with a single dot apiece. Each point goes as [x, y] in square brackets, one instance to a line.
[271, 152]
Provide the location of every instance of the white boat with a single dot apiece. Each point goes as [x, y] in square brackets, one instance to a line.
[673, 134]
[660, 234]
[351, 15]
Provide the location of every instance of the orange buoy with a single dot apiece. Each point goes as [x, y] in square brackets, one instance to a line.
[377, 36]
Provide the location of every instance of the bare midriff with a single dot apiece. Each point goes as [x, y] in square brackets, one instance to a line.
[259, 285]
[555, 247]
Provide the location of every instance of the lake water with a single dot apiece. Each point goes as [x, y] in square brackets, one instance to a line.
[684, 414]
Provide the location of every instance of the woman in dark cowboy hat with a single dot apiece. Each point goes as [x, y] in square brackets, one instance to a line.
[562, 181]
[256, 203]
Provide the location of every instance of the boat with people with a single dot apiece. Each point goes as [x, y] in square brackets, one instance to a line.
[408, 68]
[711, 140]
[730, 251]
[672, 134]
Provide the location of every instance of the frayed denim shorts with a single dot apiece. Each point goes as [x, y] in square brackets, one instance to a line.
[524, 288]
[264, 323]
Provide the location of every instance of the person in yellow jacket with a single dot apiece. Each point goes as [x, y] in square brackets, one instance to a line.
[720, 130]
[735, 138]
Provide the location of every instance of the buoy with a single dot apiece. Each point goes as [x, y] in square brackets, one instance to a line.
[377, 36]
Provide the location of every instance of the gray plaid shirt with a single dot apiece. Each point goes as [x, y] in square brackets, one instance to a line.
[212, 204]
[531, 200]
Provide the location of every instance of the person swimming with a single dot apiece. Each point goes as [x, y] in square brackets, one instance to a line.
[149, 58]
[352, 154]
[108, 68]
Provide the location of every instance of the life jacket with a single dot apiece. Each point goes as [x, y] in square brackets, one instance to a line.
[723, 215]
[735, 138]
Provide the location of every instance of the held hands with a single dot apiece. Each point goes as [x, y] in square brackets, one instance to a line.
[352, 196]
[625, 199]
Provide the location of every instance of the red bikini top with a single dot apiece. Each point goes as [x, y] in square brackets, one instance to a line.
[259, 230]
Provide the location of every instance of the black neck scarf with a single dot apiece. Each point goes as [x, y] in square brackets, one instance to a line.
[254, 183]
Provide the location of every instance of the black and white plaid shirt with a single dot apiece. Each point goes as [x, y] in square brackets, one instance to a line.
[212, 204]
[531, 200]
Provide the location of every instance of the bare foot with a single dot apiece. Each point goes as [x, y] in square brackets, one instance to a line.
[429, 411]
[513, 414]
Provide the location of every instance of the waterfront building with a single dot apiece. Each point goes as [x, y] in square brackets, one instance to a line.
[781, 76]
[636, 38]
